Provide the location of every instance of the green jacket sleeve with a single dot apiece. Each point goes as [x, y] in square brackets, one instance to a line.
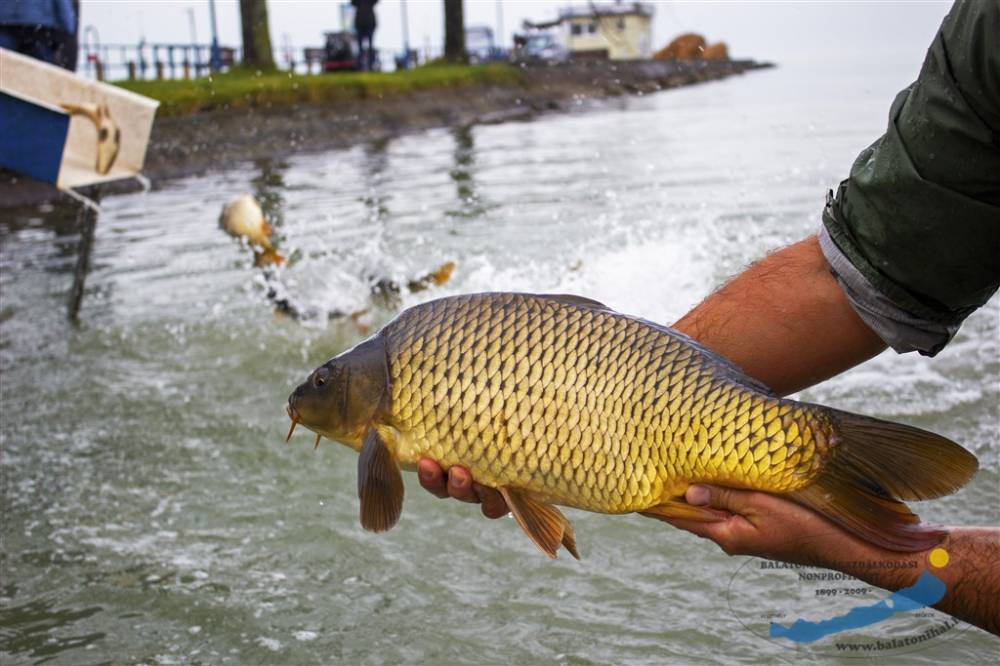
[919, 216]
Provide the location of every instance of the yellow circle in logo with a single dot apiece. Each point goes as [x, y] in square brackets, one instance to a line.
[938, 557]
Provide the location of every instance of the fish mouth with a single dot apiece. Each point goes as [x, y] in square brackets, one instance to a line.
[293, 414]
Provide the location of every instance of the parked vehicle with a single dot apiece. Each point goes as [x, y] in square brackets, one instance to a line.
[480, 46]
[540, 46]
[343, 53]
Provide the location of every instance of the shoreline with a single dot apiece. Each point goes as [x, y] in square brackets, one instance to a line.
[187, 145]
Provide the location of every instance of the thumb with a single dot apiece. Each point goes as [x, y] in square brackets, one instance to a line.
[727, 499]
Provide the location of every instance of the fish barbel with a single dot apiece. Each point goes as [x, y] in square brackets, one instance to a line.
[559, 400]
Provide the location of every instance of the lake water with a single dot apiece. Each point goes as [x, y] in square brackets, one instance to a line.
[151, 512]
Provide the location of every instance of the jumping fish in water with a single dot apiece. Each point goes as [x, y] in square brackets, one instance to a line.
[243, 218]
[109, 136]
[432, 279]
[387, 291]
[555, 399]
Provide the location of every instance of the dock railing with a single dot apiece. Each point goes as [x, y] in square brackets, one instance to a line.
[151, 60]
[164, 60]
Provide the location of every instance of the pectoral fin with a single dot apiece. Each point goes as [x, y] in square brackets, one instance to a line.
[675, 509]
[380, 485]
[543, 523]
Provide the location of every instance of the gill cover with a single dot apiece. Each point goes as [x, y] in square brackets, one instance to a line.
[342, 397]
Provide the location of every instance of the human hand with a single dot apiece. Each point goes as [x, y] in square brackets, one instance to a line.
[759, 524]
[457, 483]
[765, 525]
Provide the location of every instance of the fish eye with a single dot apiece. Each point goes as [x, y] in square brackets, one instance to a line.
[103, 134]
[320, 377]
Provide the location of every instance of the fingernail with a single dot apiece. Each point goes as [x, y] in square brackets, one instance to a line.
[697, 495]
[425, 474]
[459, 481]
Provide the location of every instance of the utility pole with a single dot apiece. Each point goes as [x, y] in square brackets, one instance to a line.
[215, 60]
[194, 32]
[406, 30]
[501, 40]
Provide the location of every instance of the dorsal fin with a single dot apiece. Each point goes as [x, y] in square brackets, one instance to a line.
[729, 370]
[580, 301]
[726, 369]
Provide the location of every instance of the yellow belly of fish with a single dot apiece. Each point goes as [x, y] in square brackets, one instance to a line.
[600, 414]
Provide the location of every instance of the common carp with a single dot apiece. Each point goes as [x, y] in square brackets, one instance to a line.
[243, 218]
[559, 400]
[387, 291]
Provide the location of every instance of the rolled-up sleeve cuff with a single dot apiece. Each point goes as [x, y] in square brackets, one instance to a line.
[899, 329]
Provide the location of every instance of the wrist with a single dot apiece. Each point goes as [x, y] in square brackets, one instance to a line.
[887, 569]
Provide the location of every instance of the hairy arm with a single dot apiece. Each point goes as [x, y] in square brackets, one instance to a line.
[784, 321]
[759, 525]
[972, 576]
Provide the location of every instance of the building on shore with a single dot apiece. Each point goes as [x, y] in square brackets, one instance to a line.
[618, 31]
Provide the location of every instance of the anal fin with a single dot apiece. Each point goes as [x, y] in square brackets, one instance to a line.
[569, 539]
[380, 485]
[544, 524]
[677, 510]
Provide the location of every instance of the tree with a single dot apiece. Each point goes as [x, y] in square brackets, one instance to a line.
[454, 31]
[256, 34]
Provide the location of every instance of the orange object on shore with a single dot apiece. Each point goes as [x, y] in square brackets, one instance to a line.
[692, 46]
[688, 46]
[718, 51]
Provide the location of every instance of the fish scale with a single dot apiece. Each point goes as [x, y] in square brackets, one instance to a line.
[643, 413]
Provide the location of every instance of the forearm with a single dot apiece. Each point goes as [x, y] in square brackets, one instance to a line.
[784, 321]
[970, 573]
[972, 576]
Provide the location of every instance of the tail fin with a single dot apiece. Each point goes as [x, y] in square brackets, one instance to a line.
[876, 464]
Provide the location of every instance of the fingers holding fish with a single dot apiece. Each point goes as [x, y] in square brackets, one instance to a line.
[457, 483]
[725, 534]
[460, 485]
[432, 478]
[758, 525]
[492, 501]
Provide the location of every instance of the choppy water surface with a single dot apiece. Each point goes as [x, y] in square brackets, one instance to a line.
[151, 512]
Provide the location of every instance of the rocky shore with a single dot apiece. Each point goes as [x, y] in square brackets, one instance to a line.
[187, 145]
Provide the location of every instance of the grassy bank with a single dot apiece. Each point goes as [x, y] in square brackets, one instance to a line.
[240, 89]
